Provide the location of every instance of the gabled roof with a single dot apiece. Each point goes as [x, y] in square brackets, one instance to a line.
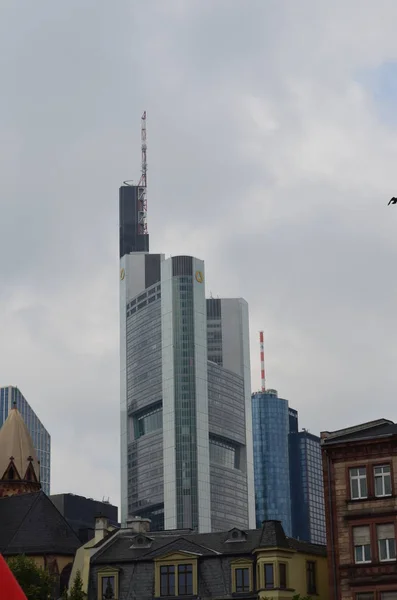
[118, 548]
[363, 431]
[16, 444]
[31, 524]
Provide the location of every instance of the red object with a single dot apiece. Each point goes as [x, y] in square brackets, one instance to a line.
[9, 587]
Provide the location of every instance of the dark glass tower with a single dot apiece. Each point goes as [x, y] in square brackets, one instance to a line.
[131, 216]
[306, 482]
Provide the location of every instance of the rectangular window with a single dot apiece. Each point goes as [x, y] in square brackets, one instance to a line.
[108, 587]
[167, 580]
[311, 577]
[269, 577]
[365, 596]
[242, 580]
[185, 580]
[358, 483]
[388, 595]
[386, 542]
[362, 544]
[382, 477]
[283, 576]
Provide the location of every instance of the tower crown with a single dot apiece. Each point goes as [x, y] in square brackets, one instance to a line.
[19, 465]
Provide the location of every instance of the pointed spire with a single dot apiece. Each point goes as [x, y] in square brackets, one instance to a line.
[18, 459]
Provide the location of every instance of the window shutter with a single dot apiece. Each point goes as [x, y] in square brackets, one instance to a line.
[361, 536]
[386, 532]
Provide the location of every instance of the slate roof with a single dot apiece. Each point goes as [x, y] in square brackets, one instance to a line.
[364, 431]
[270, 535]
[31, 524]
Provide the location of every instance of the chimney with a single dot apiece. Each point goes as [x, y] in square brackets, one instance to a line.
[101, 527]
[138, 524]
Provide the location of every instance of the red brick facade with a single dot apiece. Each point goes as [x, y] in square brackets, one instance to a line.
[359, 567]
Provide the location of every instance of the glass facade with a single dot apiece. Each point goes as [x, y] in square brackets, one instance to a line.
[185, 430]
[307, 490]
[144, 406]
[270, 427]
[185, 394]
[228, 469]
[40, 436]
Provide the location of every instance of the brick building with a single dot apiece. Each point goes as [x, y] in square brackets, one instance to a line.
[360, 486]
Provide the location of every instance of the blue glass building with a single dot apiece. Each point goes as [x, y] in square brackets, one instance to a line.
[40, 436]
[306, 482]
[270, 429]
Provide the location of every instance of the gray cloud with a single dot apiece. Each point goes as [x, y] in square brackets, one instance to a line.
[268, 157]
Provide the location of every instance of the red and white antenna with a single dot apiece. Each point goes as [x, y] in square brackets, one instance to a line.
[263, 378]
[142, 185]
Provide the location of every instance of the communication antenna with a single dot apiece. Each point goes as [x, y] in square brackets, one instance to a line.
[262, 349]
[142, 185]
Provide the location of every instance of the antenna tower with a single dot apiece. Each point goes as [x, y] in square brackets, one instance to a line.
[262, 349]
[142, 185]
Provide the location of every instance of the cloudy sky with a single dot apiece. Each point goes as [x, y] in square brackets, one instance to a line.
[272, 149]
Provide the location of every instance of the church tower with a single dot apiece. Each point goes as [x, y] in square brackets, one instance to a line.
[19, 466]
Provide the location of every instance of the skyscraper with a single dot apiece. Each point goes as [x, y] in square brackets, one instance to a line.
[306, 481]
[270, 426]
[40, 436]
[186, 458]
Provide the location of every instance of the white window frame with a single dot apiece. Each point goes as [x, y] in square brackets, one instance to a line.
[388, 558]
[361, 562]
[382, 476]
[359, 477]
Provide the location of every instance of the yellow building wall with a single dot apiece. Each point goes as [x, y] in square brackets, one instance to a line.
[296, 574]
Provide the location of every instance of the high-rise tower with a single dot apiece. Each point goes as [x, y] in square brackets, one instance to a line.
[186, 457]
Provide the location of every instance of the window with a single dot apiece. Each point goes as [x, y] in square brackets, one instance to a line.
[283, 576]
[362, 544]
[269, 577]
[386, 542]
[311, 577]
[382, 479]
[167, 580]
[242, 579]
[185, 580]
[108, 581]
[358, 483]
[388, 595]
[365, 596]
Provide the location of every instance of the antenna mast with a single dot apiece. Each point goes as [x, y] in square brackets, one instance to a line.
[262, 348]
[142, 185]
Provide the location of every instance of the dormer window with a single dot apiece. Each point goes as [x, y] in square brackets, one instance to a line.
[141, 541]
[236, 535]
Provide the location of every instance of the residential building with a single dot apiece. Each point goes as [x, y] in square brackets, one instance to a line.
[360, 483]
[29, 522]
[306, 483]
[270, 429]
[41, 438]
[251, 564]
[81, 513]
[186, 459]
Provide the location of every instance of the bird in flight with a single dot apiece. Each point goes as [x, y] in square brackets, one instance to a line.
[392, 201]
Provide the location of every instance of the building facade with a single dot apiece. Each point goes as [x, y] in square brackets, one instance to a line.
[81, 513]
[270, 426]
[251, 564]
[185, 408]
[360, 482]
[306, 483]
[41, 438]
